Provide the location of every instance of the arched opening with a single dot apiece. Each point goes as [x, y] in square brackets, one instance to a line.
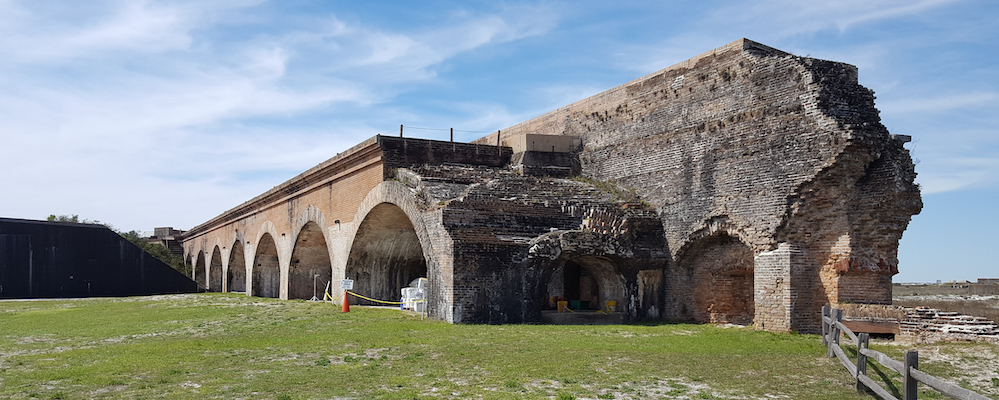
[310, 268]
[386, 254]
[237, 269]
[200, 273]
[215, 271]
[266, 269]
[721, 272]
[586, 283]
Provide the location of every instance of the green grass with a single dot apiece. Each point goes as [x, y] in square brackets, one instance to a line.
[229, 346]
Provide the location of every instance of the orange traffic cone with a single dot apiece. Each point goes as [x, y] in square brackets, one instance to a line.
[346, 303]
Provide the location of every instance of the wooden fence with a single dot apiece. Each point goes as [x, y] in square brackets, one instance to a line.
[833, 329]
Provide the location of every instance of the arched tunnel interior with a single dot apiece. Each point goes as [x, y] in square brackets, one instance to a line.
[199, 271]
[587, 283]
[266, 269]
[310, 268]
[215, 271]
[237, 269]
[385, 256]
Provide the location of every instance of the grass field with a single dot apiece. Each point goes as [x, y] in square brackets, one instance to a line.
[237, 347]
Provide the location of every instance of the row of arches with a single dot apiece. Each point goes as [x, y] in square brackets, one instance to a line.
[386, 247]
[385, 255]
[714, 284]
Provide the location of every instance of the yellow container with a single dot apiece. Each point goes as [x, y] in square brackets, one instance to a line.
[611, 305]
[562, 305]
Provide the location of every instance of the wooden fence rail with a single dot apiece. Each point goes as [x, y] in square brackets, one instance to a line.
[833, 329]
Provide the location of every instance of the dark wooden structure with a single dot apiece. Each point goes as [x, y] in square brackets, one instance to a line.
[40, 259]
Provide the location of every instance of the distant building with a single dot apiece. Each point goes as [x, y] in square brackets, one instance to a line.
[984, 287]
[168, 237]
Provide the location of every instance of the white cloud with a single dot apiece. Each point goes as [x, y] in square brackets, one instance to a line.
[779, 23]
[399, 56]
[119, 107]
[789, 17]
[949, 174]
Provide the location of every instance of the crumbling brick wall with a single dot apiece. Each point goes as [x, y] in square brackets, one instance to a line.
[508, 232]
[770, 148]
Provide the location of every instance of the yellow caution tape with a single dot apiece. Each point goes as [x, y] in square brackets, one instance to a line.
[374, 300]
[329, 298]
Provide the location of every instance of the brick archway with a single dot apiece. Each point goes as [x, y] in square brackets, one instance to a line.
[389, 245]
[199, 273]
[577, 265]
[265, 271]
[235, 275]
[310, 268]
[214, 272]
[720, 283]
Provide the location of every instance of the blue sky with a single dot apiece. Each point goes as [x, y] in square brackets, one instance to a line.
[167, 113]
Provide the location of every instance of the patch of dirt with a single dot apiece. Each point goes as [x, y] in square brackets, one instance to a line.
[979, 363]
[660, 389]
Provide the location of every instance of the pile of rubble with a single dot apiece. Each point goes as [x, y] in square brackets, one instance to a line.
[946, 325]
[922, 324]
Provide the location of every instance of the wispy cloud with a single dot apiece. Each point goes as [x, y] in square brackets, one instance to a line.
[153, 99]
[400, 56]
[956, 173]
[788, 17]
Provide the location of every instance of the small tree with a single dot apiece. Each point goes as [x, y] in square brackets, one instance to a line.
[64, 218]
[159, 251]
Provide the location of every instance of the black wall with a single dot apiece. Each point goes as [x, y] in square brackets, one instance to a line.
[57, 259]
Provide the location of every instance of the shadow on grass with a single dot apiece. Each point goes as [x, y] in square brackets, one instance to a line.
[889, 383]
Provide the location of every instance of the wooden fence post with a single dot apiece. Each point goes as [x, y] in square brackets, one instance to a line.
[909, 384]
[863, 340]
[837, 316]
[825, 328]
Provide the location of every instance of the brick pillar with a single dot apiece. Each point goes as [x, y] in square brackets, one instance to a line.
[782, 290]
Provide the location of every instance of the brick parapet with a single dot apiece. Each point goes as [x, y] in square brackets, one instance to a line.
[401, 152]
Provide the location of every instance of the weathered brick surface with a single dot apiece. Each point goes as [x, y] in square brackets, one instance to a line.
[745, 185]
[764, 146]
[509, 232]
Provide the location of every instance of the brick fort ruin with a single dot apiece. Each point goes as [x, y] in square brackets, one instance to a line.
[744, 185]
